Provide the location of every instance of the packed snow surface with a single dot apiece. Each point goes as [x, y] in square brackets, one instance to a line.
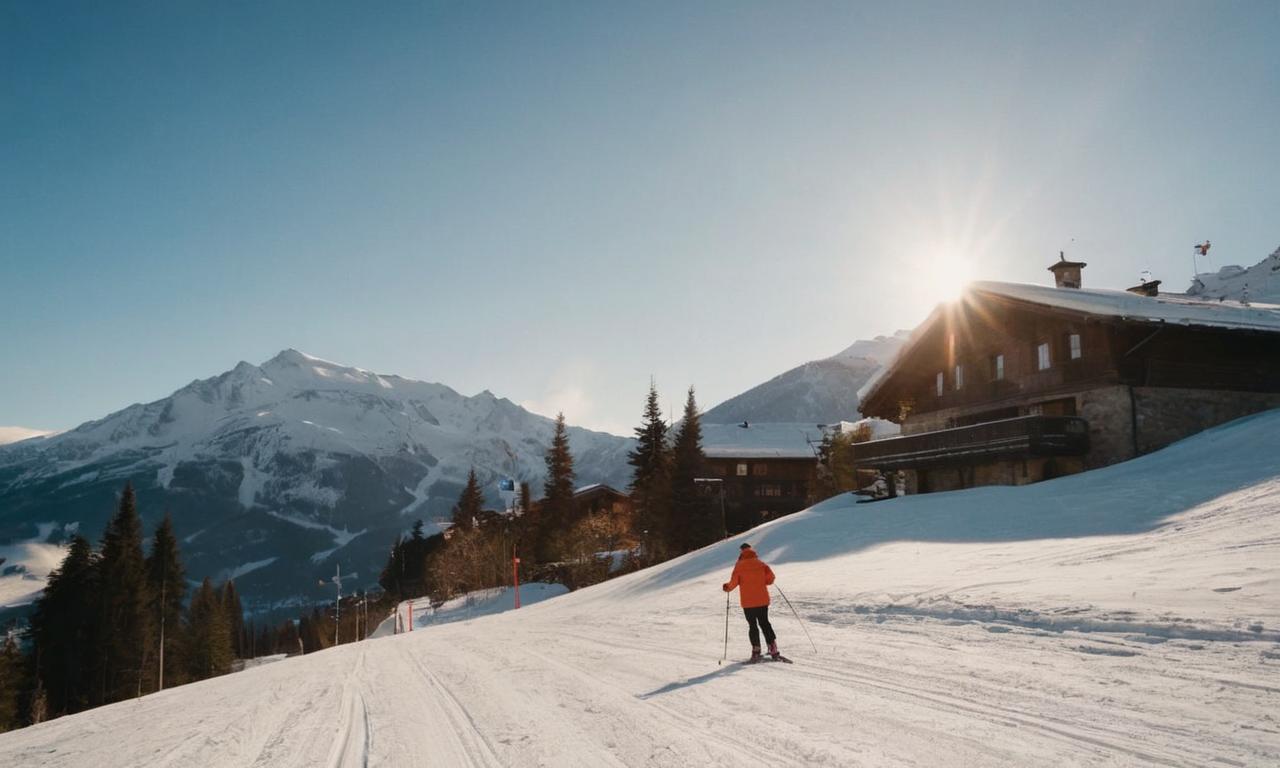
[1126, 616]
[469, 606]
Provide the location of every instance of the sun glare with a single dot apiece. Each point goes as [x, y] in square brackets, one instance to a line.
[947, 275]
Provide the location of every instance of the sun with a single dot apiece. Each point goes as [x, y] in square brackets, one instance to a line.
[946, 272]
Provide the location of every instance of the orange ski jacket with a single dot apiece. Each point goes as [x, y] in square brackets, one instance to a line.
[754, 577]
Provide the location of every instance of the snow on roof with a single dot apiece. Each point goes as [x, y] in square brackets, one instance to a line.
[597, 487]
[1177, 309]
[782, 440]
[1172, 308]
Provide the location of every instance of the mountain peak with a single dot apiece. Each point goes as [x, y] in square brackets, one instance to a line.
[291, 356]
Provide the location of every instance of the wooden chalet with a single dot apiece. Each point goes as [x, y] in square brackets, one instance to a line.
[600, 498]
[764, 471]
[1013, 383]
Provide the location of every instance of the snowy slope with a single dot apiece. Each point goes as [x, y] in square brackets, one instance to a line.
[1259, 283]
[817, 392]
[1127, 616]
[275, 473]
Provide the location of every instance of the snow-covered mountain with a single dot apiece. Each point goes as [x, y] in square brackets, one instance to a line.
[820, 391]
[275, 473]
[1259, 283]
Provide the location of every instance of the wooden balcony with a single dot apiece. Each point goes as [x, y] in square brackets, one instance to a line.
[1024, 436]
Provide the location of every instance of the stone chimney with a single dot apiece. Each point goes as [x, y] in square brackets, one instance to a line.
[1147, 288]
[1066, 274]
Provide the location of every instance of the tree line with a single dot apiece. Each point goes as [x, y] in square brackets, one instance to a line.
[556, 537]
[113, 624]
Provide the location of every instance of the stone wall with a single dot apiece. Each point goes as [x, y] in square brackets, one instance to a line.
[1166, 415]
[1107, 409]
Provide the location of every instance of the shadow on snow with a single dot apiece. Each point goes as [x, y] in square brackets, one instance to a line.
[1133, 497]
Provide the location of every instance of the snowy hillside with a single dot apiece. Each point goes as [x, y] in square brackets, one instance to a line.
[1126, 616]
[274, 473]
[1259, 283]
[817, 392]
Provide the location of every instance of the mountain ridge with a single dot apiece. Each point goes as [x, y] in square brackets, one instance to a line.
[819, 391]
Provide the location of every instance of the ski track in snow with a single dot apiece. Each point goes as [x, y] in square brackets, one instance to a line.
[576, 688]
[1097, 636]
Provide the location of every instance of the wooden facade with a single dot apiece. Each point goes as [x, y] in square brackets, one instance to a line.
[1136, 383]
[758, 489]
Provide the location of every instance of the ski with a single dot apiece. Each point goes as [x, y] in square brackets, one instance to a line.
[764, 659]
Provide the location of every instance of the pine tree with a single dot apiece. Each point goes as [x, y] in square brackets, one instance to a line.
[208, 634]
[167, 587]
[650, 480]
[526, 498]
[392, 576]
[470, 503]
[556, 515]
[235, 617]
[13, 682]
[693, 522]
[65, 631]
[123, 609]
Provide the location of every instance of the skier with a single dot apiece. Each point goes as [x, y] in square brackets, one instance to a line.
[754, 577]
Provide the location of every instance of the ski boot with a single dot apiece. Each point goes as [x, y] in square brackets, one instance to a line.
[774, 653]
[755, 655]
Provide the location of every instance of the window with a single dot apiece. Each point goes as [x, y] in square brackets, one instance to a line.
[959, 377]
[769, 490]
[719, 470]
[997, 368]
[1074, 341]
[742, 470]
[939, 384]
[759, 470]
[1043, 361]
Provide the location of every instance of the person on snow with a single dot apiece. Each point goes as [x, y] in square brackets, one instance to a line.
[754, 577]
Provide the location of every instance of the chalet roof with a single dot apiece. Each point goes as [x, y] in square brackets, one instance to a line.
[759, 441]
[1167, 308]
[1172, 308]
[597, 488]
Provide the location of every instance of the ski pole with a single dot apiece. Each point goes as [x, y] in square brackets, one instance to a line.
[726, 630]
[797, 615]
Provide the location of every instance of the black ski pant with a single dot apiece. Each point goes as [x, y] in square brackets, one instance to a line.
[759, 616]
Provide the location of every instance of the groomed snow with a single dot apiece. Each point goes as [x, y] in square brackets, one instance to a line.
[470, 606]
[1126, 616]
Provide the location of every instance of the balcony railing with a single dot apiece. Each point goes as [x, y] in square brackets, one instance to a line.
[1024, 436]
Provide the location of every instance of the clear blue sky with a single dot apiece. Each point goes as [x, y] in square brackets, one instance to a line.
[554, 201]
